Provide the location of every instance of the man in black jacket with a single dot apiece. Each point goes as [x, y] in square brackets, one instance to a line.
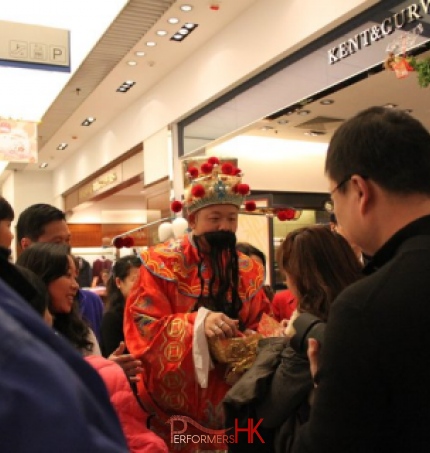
[374, 366]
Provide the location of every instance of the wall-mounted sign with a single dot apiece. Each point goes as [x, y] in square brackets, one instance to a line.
[101, 184]
[18, 141]
[377, 32]
[34, 44]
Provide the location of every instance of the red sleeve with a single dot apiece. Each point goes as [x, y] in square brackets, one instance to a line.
[253, 309]
[158, 327]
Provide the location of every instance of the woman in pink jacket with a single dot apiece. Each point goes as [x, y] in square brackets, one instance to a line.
[133, 418]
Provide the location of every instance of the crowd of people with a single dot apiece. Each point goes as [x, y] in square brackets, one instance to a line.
[344, 368]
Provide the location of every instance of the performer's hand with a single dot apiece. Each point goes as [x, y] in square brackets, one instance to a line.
[131, 366]
[220, 325]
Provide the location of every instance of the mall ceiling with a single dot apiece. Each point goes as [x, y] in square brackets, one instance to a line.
[316, 120]
[103, 101]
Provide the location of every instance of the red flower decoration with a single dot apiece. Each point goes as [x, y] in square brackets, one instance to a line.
[250, 206]
[193, 171]
[213, 161]
[198, 191]
[206, 168]
[227, 168]
[118, 243]
[128, 242]
[243, 189]
[237, 171]
[176, 206]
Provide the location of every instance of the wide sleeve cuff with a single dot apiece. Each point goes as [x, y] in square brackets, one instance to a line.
[201, 356]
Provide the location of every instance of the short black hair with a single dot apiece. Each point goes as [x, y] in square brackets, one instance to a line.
[6, 210]
[32, 221]
[248, 249]
[388, 146]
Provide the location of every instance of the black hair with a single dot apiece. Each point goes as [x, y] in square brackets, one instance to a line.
[387, 146]
[40, 298]
[248, 249]
[6, 210]
[51, 261]
[121, 269]
[32, 221]
[333, 218]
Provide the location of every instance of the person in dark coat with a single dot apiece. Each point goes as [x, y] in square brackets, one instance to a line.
[372, 382]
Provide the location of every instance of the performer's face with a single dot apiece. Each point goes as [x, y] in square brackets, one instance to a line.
[215, 218]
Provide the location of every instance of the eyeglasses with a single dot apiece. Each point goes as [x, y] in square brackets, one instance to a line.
[329, 205]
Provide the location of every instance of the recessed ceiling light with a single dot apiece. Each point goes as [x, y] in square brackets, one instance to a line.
[390, 105]
[326, 102]
[303, 112]
[189, 25]
[151, 43]
[267, 128]
[408, 110]
[139, 53]
[161, 32]
[173, 20]
[186, 8]
[43, 165]
[183, 31]
[132, 63]
[62, 146]
[282, 121]
[88, 121]
[177, 37]
[125, 86]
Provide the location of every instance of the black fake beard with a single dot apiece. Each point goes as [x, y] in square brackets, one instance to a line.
[222, 257]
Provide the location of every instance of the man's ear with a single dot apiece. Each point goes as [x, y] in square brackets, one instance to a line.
[192, 221]
[25, 243]
[364, 192]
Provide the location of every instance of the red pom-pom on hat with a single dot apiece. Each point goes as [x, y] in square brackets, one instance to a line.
[290, 213]
[243, 189]
[206, 168]
[193, 172]
[250, 206]
[237, 171]
[198, 191]
[213, 161]
[176, 206]
[128, 242]
[118, 243]
[227, 168]
[282, 215]
[286, 214]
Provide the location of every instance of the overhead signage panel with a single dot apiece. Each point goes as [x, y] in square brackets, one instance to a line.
[34, 44]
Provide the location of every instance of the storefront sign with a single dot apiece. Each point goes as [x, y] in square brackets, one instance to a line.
[34, 44]
[375, 33]
[18, 141]
[100, 184]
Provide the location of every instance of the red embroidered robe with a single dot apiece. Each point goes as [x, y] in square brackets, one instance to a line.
[158, 329]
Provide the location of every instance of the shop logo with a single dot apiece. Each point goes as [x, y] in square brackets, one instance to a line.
[211, 436]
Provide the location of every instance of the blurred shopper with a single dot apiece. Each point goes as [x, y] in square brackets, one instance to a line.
[318, 265]
[125, 272]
